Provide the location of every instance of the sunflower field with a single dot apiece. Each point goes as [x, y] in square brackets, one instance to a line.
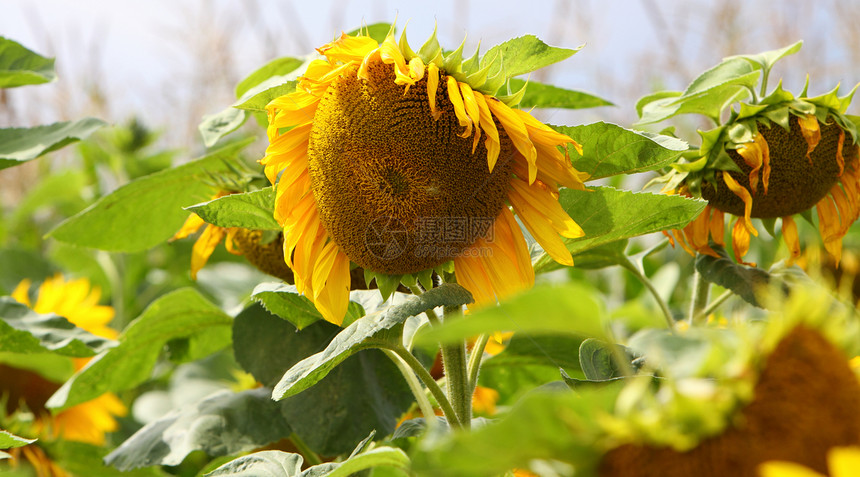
[384, 263]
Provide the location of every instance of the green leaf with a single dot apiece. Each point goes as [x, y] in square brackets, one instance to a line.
[664, 96]
[563, 309]
[558, 425]
[22, 330]
[147, 211]
[19, 263]
[250, 210]
[744, 281]
[80, 458]
[540, 95]
[607, 215]
[524, 55]
[284, 301]
[180, 315]
[19, 145]
[217, 125]
[223, 423]
[276, 67]
[20, 66]
[367, 332]
[602, 256]
[256, 98]
[597, 360]
[10, 441]
[378, 457]
[609, 149]
[270, 463]
[364, 393]
[767, 59]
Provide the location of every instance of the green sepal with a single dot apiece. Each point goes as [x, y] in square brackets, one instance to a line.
[779, 96]
[473, 64]
[770, 226]
[779, 116]
[408, 54]
[387, 284]
[742, 132]
[750, 110]
[514, 99]
[479, 77]
[452, 62]
[425, 278]
[431, 50]
[694, 166]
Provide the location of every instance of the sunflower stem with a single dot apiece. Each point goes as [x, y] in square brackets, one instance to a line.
[701, 289]
[475, 360]
[640, 275]
[431, 384]
[456, 374]
[415, 386]
[311, 457]
[714, 305]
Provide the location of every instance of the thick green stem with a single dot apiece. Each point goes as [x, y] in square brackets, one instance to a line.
[456, 374]
[427, 379]
[415, 386]
[701, 290]
[475, 360]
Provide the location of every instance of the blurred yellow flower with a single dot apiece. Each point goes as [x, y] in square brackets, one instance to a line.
[841, 462]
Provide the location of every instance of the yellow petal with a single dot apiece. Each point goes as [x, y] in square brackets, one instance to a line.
[472, 110]
[717, 226]
[785, 469]
[492, 142]
[541, 229]
[192, 224]
[840, 159]
[333, 301]
[741, 241]
[204, 246]
[754, 154]
[744, 194]
[459, 108]
[517, 132]
[432, 88]
[811, 132]
[538, 196]
[21, 293]
[790, 236]
[348, 48]
[472, 276]
[843, 461]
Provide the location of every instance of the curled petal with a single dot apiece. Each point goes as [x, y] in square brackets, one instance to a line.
[811, 131]
[789, 235]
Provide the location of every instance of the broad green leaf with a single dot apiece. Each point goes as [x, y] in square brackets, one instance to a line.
[556, 425]
[607, 215]
[664, 96]
[524, 55]
[256, 98]
[251, 210]
[364, 393]
[284, 301]
[182, 316]
[224, 423]
[367, 332]
[20, 66]
[602, 256]
[729, 71]
[217, 125]
[378, 457]
[18, 145]
[767, 59]
[276, 67]
[10, 441]
[563, 309]
[270, 463]
[610, 150]
[147, 211]
[22, 330]
[710, 104]
[746, 282]
[597, 360]
[540, 95]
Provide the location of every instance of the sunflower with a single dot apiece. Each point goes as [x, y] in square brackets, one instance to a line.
[262, 249]
[401, 162]
[77, 301]
[776, 157]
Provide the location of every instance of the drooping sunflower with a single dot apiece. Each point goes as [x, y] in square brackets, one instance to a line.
[775, 157]
[400, 162]
[77, 301]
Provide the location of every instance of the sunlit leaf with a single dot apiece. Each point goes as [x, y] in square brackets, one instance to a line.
[224, 423]
[182, 316]
[19, 66]
[767, 59]
[10, 441]
[568, 308]
[524, 55]
[149, 210]
[283, 464]
[557, 425]
[22, 330]
[276, 67]
[610, 150]
[607, 215]
[540, 95]
[217, 125]
[18, 145]
[284, 301]
[250, 210]
[367, 332]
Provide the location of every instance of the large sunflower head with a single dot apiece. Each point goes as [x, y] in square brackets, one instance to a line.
[775, 157]
[401, 162]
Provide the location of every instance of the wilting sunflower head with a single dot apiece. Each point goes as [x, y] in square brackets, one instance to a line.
[775, 157]
[401, 162]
